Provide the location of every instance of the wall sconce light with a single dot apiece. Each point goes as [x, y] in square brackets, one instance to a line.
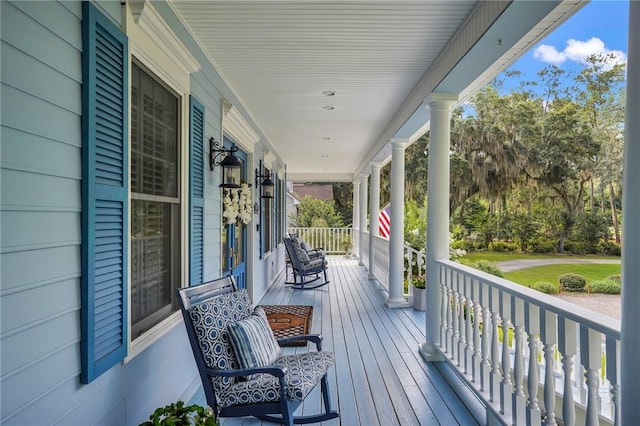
[231, 165]
[266, 186]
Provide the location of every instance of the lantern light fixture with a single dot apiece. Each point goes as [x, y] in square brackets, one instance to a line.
[266, 186]
[231, 165]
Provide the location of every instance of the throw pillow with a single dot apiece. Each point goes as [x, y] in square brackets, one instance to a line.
[253, 341]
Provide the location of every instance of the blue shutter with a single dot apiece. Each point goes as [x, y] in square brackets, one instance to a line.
[104, 194]
[196, 185]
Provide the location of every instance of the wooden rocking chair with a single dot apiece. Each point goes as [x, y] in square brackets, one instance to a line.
[304, 267]
[226, 335]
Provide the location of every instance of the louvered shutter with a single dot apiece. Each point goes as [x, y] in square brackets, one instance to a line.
[196, 184]
[104, 194]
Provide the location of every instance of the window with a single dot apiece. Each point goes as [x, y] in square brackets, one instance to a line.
[155, 200]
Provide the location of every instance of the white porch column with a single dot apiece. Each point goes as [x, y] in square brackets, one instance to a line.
[437, 214]
[396, 235]
[363, 217]
[630, 338]
[355, 224]
[374, 210]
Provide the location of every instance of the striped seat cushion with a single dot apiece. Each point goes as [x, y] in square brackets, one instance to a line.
[253, 341]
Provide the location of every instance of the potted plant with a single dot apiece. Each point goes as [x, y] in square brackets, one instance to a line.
[419, 293]
[177, 414]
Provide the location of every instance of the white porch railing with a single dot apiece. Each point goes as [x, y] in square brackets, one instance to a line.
[562, 361]
[532, 376]
[333, 240]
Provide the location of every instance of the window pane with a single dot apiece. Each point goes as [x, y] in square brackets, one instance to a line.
[154, 136]
[151, 263]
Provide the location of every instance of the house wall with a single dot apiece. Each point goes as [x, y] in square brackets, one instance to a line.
[41, 232]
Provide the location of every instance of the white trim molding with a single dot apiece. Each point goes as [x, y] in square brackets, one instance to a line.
[236, 126]
[150, 22]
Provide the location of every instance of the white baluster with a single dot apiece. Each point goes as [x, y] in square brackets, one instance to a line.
[494, 392]
[468, 331]
[446, 308]
[591, 358]
[461, 329]
[443, 311]
[532, 324]
[613, 370]
[549, 338]
[518, 398]
[453, 304]
[485, 365]
[506, 385]
[449, 294]
[568, 347]
[477, 318]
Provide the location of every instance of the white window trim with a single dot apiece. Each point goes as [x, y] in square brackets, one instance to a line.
[153, 44]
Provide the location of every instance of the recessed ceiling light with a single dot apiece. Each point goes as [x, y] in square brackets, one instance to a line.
[324, 156]
[328, 107]
[325, 138]
[329, 93]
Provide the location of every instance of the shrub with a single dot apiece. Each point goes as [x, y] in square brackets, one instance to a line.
[609, 248]
[572, 282]
[615, 278]
[468, 244]
[502, 246]
[578, 247]
[488, 267]
[605, 286]
[545, 287]
[543, 245]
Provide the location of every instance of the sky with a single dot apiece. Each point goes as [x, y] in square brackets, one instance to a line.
[599, 27]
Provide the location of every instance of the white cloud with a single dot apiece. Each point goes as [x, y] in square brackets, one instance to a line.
[577, 51]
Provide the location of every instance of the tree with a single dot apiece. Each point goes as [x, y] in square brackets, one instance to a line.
[524, 229]
[343, 197]
[313, 212]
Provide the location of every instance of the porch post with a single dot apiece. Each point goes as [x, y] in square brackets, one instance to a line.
[396, 235]
[374, 210]
[355, 224]
[630, 338]
[363, 217]
[437, 215]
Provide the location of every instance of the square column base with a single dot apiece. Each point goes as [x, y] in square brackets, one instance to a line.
[399, 303]
[430, 353]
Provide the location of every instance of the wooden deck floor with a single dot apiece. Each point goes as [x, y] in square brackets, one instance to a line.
[379, 377]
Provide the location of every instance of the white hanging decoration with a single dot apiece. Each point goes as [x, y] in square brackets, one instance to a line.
[238, 206]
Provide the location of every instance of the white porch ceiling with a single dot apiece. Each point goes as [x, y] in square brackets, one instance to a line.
[381, 58]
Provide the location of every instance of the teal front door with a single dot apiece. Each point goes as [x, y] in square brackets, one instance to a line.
[234, 237]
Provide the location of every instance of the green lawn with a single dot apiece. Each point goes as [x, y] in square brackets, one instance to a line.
[591, 272]
[550, 273]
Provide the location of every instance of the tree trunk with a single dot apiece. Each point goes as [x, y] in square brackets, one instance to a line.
[614, 212]
[592, 195]
[603, 201]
